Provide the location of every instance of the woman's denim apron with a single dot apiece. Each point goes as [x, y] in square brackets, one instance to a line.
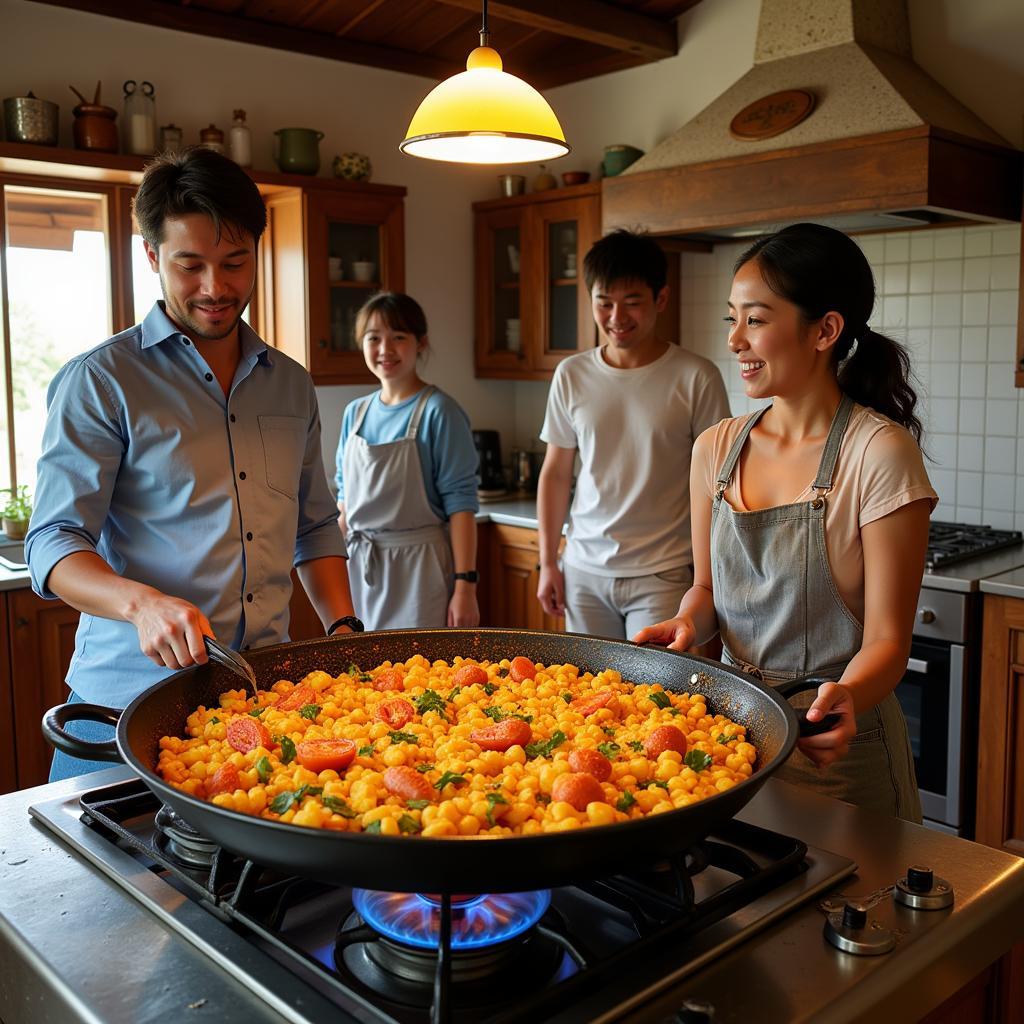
[781, 617]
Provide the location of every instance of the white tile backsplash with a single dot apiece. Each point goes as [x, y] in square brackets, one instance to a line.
[950, 295]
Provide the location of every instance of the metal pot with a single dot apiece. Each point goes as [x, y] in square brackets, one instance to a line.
[27, 119]
[446, 865]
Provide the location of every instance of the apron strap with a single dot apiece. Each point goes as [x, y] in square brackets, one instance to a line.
[417, 413]
[729, 466]
[830, 455]
[361, 414]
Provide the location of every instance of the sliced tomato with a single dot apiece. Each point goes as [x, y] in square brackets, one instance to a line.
[298, 698]
[321, 755]
[245, 734]
[223, 780]
[593, 762]
[469, 675]
[577, 789]
[407, 783]
[390, 679]
[522, 668]
[502, 735]
[394, 713]
[665, 737]
[588, 705]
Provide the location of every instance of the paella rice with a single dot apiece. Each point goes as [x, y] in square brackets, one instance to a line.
[469, 749]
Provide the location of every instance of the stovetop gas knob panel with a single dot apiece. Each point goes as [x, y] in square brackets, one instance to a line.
[919, 889]
[851, 931]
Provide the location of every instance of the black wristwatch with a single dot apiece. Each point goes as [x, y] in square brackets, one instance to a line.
[470, 577]
[351, 621]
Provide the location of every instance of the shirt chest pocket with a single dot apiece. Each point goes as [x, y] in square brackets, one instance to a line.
[284, 448]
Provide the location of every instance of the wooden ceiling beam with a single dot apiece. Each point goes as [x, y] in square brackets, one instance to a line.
[591, 21]
[260, 33]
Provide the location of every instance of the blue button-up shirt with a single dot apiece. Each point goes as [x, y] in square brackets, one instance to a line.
[209, 499]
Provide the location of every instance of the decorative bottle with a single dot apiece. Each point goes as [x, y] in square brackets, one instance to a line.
[139, 124]
[212, 138]
[240, 140]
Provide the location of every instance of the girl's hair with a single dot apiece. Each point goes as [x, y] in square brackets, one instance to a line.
[820, 270]
[398, 310]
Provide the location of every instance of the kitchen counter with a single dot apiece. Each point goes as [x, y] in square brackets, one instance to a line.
[75, 948]
[1006, 584]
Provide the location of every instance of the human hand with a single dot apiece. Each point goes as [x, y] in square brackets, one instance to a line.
[678, 634]
[828, 747]
[551, 590]
[171, 631]
[463, 609]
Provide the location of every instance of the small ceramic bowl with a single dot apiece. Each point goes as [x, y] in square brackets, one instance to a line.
[352, 167]
[575, 177]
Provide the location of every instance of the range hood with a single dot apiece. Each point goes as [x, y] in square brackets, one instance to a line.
[884, 145]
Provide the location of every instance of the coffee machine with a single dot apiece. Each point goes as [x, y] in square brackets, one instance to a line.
[490, 474]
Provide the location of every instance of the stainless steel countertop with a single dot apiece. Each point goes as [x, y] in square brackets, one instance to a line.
[111, 960]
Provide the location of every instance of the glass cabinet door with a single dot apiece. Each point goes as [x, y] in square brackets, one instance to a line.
[503, 282]
[353, 275]
[507, 324]
[563, 308]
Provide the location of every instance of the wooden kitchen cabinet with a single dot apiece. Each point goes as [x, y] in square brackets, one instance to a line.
[514, 572]
[1000, 814]
[532, 309]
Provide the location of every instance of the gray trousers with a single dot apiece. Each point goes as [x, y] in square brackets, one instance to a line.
[619, 606]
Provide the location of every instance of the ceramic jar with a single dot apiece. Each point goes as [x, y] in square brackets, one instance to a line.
[352, 167]
[297, 150]
[27, 119]
[212, 138]
[618, 158]
[545, 181]
[94, 127]
[240, 140]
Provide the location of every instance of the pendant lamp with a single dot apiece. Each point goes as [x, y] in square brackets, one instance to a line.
[484, 115]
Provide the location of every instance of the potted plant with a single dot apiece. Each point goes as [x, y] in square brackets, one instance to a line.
[16, 513]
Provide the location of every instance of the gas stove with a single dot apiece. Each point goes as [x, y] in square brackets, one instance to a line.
[403, 958]
[111, 916]
[949, 543]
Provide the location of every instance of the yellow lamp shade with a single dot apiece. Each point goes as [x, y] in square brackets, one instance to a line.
[484, 115]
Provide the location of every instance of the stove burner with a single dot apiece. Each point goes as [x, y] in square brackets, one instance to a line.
[177, 839]
[956, 542]
[412, 919]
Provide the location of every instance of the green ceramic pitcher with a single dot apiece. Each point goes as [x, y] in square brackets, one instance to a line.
[297, 150]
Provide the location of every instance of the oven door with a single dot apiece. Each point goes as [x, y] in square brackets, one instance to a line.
[931, 694]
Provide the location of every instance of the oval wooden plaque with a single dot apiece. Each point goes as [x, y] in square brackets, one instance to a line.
[772, 115]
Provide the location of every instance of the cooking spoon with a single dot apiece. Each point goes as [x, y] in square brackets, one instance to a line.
[231, 660]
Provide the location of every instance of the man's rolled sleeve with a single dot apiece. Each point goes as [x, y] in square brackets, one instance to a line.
[81, 454]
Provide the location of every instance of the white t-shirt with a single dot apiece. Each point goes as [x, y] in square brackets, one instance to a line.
[634, 430]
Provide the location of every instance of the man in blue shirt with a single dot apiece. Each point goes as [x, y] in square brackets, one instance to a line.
[181, 476]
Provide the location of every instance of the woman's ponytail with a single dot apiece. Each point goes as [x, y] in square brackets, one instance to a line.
[876, 373]
[821, 270]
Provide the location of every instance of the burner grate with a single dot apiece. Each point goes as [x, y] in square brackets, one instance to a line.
[949, 543]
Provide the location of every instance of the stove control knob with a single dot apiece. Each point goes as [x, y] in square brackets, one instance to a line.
[926, 615]
[850, 931]
[695, 1011]
[921, 890]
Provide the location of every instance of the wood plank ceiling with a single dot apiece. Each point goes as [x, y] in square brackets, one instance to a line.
[547, 43]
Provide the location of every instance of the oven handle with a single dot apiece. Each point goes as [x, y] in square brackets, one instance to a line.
[917, 665]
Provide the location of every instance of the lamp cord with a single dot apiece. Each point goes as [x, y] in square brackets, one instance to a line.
[485, 36]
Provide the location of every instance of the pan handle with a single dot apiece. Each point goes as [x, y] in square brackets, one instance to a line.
[791, 688]
[57, 736]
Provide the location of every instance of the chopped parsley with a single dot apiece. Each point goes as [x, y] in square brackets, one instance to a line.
[449, 777]
[424, 768]
[338, 806]
[455, 692]
[502, 673]
[256, 712]
[697, 760]
[660, 783]
[723, 739]
[287, 748]
[263, 769]
[416, 805]
[407, 823]
[567, 697]
[429, 700]
[493, 799]
[215, 720]
[498, 715]
[635, 745]
[283, 801]
[625, 801]
[366, 751]
[545, 747]
[354, 670]
[610, 750]
[659, 698]
[543, 798]
[364, 677]
[673, 711]
[608, 730]
[403, 737]
[489, 688]
[309, 711]
[373, 827]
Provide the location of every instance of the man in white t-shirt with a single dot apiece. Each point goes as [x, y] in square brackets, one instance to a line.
[631, 408]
